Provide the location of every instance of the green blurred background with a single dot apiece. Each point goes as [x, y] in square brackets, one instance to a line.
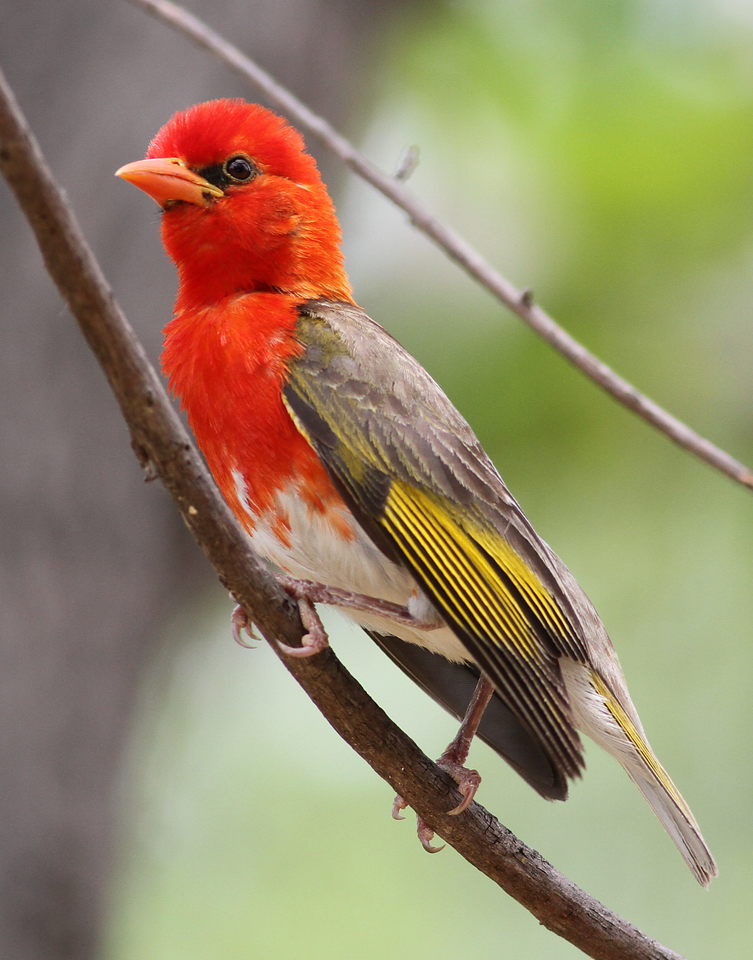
[602, 154]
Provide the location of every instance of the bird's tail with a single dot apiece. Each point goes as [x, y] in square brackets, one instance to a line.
[603, 717]
[674, 815]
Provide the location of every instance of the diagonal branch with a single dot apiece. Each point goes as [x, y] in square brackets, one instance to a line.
[161, 443]
[519, 301]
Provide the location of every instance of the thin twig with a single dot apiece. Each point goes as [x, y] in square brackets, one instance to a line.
[520, 302]
[160, 440]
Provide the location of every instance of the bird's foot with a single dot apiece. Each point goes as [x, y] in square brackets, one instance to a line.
[468, 782]
[452, 761]
[425, 835]
[315, 639]
[238, 623]
[315, 592]
[423, 830]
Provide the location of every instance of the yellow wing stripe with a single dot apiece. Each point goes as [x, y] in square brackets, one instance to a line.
[484, 609]
[470, 591]
[484, 595]
[539, 598]
[404, 532]
[423, 561]
[642, 748]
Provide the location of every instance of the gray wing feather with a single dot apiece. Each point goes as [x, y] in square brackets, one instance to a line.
[414, 432]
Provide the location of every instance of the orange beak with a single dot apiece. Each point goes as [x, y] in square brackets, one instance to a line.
[167, 179]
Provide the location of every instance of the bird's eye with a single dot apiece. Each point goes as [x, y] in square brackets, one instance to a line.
[240, 169]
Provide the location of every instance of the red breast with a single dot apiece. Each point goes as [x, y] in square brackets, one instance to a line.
[227, 363]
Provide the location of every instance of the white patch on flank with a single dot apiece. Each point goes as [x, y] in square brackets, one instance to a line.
[317, 552]
[241, 492]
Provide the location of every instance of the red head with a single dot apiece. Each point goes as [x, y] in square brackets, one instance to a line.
[244, 206]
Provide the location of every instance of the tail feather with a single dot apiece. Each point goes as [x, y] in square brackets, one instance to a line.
[675, 816]
[615, 727]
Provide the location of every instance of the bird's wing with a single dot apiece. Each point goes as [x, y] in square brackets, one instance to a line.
[417, 479]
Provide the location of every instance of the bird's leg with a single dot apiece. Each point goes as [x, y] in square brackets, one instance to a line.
[452, 761]
[320, 593]
[456, 752]
[309, 592]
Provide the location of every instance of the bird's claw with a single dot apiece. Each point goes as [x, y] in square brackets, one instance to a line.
[238, 623]
[468, 782]
[423, 830]
[426, 835]
[315, 639]
[398, 805]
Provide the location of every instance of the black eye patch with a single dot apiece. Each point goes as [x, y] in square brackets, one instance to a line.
[234, 171]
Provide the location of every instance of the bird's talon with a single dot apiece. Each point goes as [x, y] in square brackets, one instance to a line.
[398, 805]
[463, 805]
[468, 782]
[315, 639]
[238, 623]
[423, 830]
[309, 647]
[426, 835]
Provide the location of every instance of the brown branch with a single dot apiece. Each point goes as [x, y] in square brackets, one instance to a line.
[162, 444]
[521, 302]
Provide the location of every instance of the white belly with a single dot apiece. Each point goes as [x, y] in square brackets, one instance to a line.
[313, 548]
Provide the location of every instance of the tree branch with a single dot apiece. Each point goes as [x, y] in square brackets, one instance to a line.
[521, 302]
[162, 444]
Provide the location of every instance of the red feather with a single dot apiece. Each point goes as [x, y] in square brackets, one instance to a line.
[227, 364]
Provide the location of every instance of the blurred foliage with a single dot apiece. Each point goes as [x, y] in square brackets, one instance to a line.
[602, 154]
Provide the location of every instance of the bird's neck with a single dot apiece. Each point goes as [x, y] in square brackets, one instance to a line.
[212, 288]
[223, 253]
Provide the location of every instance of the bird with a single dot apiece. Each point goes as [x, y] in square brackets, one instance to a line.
[357, 479]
